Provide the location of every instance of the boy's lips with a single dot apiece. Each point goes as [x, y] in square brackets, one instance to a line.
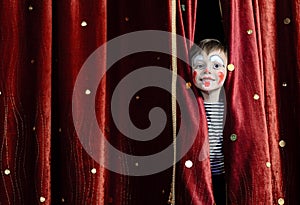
[207, 78]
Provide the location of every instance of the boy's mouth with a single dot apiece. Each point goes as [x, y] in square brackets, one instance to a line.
[207, 81]
[207, 78]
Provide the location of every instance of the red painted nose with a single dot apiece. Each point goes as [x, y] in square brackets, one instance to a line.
[206, 70]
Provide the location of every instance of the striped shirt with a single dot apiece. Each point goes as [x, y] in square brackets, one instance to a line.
[215, 116]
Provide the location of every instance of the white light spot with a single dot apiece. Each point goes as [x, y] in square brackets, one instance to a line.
[256, 97]
[87, 92]
[42, 199]
[188, 164]
[83, 23]
[94, 171]
[7, 172]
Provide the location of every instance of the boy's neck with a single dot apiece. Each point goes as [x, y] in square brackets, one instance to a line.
[212, 96]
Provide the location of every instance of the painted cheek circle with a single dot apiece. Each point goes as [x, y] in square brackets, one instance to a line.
[221, 76]
[195, 76]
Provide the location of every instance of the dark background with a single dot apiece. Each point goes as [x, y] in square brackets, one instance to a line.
[209, 21]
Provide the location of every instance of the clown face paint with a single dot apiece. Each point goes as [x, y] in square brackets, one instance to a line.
[221, 77]
[209, 70]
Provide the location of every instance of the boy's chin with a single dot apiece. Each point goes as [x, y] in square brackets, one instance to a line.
[209, 89]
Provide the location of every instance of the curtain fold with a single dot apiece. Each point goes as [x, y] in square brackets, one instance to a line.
[79, 28]
[251, 69]
[25, 88]
[43, 47]
[262, 91]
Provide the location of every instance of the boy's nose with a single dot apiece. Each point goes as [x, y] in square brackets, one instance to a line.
[206, 70]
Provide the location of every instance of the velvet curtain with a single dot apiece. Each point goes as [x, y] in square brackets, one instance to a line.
[263, 98]
[43, 47]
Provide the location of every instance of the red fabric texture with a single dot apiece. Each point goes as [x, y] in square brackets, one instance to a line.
[25, 99]
[43, 45]
[264, 65]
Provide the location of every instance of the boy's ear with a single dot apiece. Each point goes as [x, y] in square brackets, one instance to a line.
[192, 61]
[192, 52]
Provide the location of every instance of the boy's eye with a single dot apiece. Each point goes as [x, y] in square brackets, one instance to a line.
[200, 66]
[217, 66]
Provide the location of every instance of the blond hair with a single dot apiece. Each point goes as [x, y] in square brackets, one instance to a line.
[207, 45]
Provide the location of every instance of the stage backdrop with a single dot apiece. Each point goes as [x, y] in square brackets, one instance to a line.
[43, 45]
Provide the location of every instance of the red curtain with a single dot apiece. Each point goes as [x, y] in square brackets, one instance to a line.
[263, 94]
[44, 44]
[26, 68]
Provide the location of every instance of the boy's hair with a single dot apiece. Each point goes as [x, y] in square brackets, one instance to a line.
[207, 45]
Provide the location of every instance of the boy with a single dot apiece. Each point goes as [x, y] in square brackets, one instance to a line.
[209, 63]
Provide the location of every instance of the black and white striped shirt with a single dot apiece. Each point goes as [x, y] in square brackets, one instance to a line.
[214, 115]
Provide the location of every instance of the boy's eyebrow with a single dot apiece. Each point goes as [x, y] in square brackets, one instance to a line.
[197, 58]
[216, 58]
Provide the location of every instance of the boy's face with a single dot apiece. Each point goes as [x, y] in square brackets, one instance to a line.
[209, 70]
